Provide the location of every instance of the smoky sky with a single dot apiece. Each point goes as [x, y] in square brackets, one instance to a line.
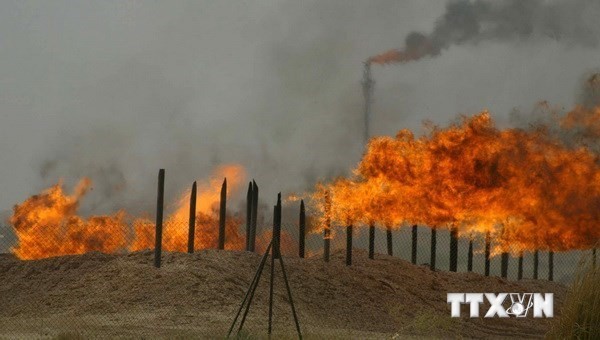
[115, 90]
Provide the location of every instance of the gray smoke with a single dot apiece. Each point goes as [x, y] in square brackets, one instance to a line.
[466, 21]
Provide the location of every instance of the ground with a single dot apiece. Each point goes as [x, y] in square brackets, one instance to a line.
[197, 296]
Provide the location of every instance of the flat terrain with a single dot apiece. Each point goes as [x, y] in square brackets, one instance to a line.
[197, 295]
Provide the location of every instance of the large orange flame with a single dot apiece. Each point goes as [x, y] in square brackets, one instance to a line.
[48, 225]
[526, 187]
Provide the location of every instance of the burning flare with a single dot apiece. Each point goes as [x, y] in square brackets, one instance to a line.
[527, 187]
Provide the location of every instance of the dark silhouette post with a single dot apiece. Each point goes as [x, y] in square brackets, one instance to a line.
[504, 265]
[536, 260]
[302, 230]
[222, 214]
[550, 265]
[520, 268]
[453, 248]
[371, 241]
[254, 216]
[249, 196]
[470, 256]
[192, 220]
[487, 253]
[388, 233]
[159, 218]
[432, 249]
[414, 244]
[349, 245]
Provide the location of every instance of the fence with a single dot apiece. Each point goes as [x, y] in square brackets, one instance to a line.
[186, 285]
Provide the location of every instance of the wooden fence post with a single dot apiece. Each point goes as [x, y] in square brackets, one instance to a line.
[432, 249]
[453, 249]
[192, 220]
[327, 230]
[536, 258]
[222, 214]
[302, 230]
[372, 241]
[390, 249]
[349, 245]
[520, 269]
[550, 265]
[249, 215]
[470, 256]
[414, 244]
[504, 265]
[277, 228]
[254, 216]
[487, 253]
[159, 218]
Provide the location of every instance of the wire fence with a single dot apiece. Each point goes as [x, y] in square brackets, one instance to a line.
[111, 288]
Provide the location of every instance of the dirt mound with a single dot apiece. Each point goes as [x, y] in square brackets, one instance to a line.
[198, 295]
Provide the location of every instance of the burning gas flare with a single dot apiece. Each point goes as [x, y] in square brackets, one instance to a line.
[527, 187]
[48, 224]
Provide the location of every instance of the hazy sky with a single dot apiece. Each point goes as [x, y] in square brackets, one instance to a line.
[115, 90]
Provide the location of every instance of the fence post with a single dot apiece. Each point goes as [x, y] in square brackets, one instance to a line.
[277, 228]
[371, 241]
[470, 256]
[192, 221]
[550, 265]
[390, 247]
[159, 218]
[487, 253]
[414, 244]
[349, 245]
[536, 258]
[249, 215]
[254, 216]
[432, 249]
[222, 214]
[327, 230]
[520, 270]
[453, 248]
[302, 230]
[504, 265]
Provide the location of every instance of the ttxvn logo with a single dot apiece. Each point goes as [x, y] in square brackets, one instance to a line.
[520, 304]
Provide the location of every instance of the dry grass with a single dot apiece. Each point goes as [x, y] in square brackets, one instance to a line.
[580, 314]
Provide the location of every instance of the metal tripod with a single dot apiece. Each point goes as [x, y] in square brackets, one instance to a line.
[274, 249]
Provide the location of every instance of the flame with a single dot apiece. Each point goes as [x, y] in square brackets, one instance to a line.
[526, 187]
[48, 224]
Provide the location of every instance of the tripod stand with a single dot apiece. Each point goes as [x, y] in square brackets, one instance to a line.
[274, 249]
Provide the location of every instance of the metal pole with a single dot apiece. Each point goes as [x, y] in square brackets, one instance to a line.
[222, 214]
[432, 249]
[192, 220]
[414, 244]
[159, 218]
[302, 230]
[371, 241]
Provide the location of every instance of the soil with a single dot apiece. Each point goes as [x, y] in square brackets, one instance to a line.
[197, 295]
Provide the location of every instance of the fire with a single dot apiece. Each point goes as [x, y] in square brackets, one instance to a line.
[48, 224]
[526, 187]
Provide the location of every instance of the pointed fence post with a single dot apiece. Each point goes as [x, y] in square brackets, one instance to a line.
[222, 214]
[453, 248]
[433, 248]
[550, 265]
[504, 265]
[192, 220]
[536, 260]
[388, 233]
[487, 253]
[302, 230]
[249, 214]
[327, 230]
[520, 268]
[372, 241]
[470, 256]
[159, 218]
[254, 216]
[414, 244]
[349, 245]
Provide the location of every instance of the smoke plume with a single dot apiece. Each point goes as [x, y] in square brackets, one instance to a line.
[466, 21]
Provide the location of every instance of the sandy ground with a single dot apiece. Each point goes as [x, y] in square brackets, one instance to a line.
[197, 295]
